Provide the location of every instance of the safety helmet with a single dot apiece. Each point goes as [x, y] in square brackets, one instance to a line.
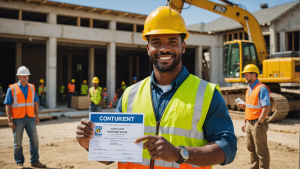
[134, 78]
[42, 81]
[23, 71]
[164, 20]
[84, 82]
[251, 68]
[95, 80]
[123, 83]
[73, 80]
[104, 88]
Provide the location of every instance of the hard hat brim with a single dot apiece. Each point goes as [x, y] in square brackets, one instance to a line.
[23, 74]
[164, 31]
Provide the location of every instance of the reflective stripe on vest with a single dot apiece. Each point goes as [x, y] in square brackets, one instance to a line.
[253, 105]
[95, 95]
[71, 87]
[84, 89]
[181, 122]
[20, 106]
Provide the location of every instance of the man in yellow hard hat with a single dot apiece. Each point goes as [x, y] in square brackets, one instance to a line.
[84, 88]
[96, 96]
[61, 92]
[71, 91]
[123, 87]
[256, 125]
[42, 93]
[188, 124]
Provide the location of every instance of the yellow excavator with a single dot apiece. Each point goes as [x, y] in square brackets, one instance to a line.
[274, 68]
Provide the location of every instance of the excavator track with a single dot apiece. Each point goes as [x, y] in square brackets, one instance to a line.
[279, 103]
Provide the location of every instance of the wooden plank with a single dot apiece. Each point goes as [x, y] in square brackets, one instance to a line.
[82, 116]
[45, 117]
[51, 111]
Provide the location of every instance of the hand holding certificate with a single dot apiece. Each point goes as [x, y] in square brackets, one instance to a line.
[114, 135]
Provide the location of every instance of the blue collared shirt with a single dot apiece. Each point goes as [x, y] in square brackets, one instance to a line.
[9, 98]
[218, 126]
[264, 96]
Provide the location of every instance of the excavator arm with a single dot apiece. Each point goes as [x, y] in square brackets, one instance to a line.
[232, 11]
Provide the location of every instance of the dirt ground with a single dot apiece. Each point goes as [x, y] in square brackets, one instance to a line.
[59, 149]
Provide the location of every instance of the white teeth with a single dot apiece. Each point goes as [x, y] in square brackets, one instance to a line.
[165, 58]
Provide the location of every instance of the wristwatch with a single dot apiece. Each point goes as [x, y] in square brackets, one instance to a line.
[259, 123]
[184, 155]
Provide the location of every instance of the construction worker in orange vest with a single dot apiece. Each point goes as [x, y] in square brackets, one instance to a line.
[256, 125]
[42, 93]
[22, 113]
[71, 91]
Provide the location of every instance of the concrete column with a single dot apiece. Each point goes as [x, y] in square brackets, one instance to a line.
[91, 66]
[78, 21]
[51, 18]
[130, 70]
[111, 71]
[215, 71]
[134, 27]
[69, 67]
[273, 38]
[282, 41]
[112, 25]
[198, 61]
[137, 66]
[60, 69]
[20, 15]
[91, 22]
[18, 57]
[51, 65]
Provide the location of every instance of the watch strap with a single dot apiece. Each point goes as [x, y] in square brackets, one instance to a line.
[181, 160]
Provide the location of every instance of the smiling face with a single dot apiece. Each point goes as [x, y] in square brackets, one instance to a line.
[165, 51]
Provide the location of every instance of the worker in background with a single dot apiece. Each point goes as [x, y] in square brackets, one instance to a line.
[71, 91]
[95, 96]
[84, 88]
[61, 92]
[123, 87]
[188, 124]
[1, 94]
[105, 95]
[134, 80]
[42, 93]
[256, 124]
[22, 112]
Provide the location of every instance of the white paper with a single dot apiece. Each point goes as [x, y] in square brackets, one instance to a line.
[114, 136]
[239, 101]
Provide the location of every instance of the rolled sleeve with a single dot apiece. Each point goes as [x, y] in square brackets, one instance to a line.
[218, 127]
[8, 98]
[264, 96]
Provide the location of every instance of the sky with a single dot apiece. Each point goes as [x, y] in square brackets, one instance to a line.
[193, 15]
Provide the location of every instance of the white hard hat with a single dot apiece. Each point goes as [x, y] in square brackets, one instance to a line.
[22, 71]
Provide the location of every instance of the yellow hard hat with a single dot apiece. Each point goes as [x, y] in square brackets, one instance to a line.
[123, 83]
[164, 20]
[73, 80]
[95, 80]
[42, 81]
[84, 81]
[251, 68]
[104, 88]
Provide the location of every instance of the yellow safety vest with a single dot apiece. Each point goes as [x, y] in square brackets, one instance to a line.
[42, 88]
[181, 122]
[95, 95]
[84, 89]
[62, 89]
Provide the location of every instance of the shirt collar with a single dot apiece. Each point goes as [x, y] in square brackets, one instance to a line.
[19, 84]
[254, 84]
[178, 80]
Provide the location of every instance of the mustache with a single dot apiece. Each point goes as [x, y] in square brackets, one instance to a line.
[164, 53]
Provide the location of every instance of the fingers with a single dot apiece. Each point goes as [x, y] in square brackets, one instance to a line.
[85, 128]
[88, 123]
[84, 133]
[147, 137]
[149, 143]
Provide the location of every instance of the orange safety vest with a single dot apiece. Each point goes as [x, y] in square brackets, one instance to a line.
[253, 105]
[20, 106]
[71, 87]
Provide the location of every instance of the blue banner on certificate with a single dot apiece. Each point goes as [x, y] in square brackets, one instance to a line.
[114, 136]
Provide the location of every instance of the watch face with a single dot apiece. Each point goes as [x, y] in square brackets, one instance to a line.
[185, 153]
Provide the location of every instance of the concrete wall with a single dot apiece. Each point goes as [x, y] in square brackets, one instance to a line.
[289, 22]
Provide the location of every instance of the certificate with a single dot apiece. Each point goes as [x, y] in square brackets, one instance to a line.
[114, 136]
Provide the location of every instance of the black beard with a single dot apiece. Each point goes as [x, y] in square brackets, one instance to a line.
[160, 68]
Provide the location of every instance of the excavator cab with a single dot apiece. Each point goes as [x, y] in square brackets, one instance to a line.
[238, 54]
